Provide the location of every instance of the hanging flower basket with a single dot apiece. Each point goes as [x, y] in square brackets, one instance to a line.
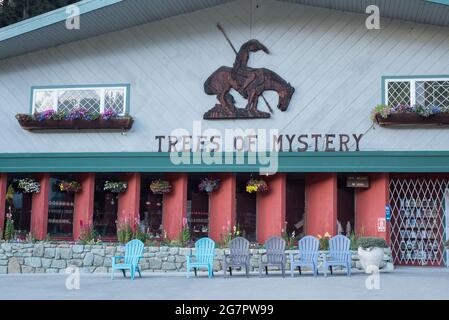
[256, 185]
[27, 186]
[69, 186]
[160, 186]
[115, 186]
[209, 185]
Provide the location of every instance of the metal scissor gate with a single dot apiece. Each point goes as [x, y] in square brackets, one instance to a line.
[418, 223]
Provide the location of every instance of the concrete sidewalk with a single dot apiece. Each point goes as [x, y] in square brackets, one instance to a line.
[403, 283]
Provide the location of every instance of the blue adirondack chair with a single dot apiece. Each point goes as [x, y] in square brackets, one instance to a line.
[339, 254]
[203, 257]
[133, 253]
[307, 255]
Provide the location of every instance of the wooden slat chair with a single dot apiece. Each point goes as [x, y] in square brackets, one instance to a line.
[275, 247]
[239, 256]
[203, 257]
[339, 254]
[133, 254]
[307, 255]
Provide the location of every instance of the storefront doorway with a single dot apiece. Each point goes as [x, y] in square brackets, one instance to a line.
[151, 207]
[345, 206]
[61, 206]
[197, 208]
[105, 206]
[19, 205]
[418, 219]
[246, 208]
[295, 205]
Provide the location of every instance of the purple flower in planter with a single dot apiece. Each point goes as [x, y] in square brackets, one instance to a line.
[45, 115]
[402, 108]
[109, 114]
[77, 114]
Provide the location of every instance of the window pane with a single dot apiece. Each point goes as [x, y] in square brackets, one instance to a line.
[432, 93]
[115, 100]
[86, 99]
[43, 100]
[398, 93]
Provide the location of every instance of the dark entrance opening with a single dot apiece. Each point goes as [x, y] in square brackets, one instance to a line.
[345, 206]
[151, 207]
[295, 205]
[60, 207]
[197, 208]
[246, 208]
[105, 206]
[19, 206]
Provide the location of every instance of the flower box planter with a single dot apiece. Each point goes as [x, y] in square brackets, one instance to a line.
[122, 123]
[412, 118]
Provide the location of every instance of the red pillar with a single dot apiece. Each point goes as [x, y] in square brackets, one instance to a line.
[175, 205]
[84, 204]
[39, 208]
[370, 206]
[321, 203]
[129, 201]
[222, 207]
[271, 208]
[3, 189]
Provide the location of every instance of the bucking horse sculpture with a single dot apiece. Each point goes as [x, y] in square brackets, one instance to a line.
[248, 82]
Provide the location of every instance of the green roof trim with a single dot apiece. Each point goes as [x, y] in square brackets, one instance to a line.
[363, 161]
[50, 18]
[445, 2]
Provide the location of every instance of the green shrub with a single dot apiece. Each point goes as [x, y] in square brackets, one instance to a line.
[88, 235]
[371, 242]
[354, 241]
[139, 235]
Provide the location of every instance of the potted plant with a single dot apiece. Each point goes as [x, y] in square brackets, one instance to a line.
[27, 186]
[69, 186]
[371, 252]
[324, 241]
[209, 185]
[115, 186]
[256, 185]
[160, 186]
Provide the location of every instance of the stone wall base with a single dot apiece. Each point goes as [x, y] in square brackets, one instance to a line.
[55, 258]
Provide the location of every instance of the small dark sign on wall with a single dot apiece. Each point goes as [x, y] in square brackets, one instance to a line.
[357, 182]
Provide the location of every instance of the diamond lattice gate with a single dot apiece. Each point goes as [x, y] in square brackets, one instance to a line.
[419, 209]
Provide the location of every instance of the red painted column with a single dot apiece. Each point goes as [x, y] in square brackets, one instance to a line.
[3, 190]
[39, 208]
[175, 205]
[271, 208]
[370, 206]
[84, 204]
[321, 203]
[222, 204]
[129, 201]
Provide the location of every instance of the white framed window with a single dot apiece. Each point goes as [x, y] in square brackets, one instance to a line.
[424, 91]
[95, 99]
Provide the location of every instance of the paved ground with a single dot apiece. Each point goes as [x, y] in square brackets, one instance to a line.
[404, 283]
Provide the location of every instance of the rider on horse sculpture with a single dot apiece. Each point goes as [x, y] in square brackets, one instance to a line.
[249, 82]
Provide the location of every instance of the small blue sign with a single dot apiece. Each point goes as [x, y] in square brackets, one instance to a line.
[387, 212]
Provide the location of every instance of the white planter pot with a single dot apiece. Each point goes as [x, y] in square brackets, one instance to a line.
[370, 257]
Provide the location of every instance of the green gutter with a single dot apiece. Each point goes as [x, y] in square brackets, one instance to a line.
[382, 161]
[50, 18]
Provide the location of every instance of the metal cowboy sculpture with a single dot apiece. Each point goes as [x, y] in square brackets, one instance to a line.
[249, 82]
